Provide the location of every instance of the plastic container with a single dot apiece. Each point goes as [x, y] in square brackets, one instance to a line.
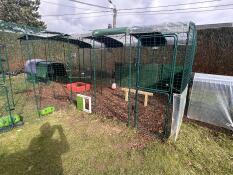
[78, 87]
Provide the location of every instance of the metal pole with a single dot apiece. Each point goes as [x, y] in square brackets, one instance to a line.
[101, 68]
[129, 80]
[114, 13]
[9, 76]
[138, 61]
[114, 16]
[94, 70]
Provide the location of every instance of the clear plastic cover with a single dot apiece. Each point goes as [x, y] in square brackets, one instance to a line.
[178, 27]
[212, 100]
[179, 102]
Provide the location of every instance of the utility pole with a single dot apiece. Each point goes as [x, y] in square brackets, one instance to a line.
[114, 13]
[114, 17]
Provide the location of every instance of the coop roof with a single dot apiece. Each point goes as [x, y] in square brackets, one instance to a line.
[164, 28]
[81, 44]
[120, 40]
[17, 28]
[57, 37]
[109, 42]
[86, 38]
[111, 31]
[150, 36]
[41, 35]
[157, 39]
[108, 37]
[111, 37]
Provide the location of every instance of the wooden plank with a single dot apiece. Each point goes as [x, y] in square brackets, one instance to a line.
[145, 93]
[139, 92]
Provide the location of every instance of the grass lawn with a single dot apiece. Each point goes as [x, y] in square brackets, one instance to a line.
[72, 142]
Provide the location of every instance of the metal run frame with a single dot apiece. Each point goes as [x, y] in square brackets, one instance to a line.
[172, 75]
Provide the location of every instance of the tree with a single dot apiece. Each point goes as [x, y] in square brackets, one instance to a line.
[21, 12]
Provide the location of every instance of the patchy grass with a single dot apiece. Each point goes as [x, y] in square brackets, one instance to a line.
[71, 142]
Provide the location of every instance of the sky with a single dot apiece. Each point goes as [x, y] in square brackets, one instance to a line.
[83, 23]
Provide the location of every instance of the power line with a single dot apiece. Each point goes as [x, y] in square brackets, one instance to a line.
[93, 5]
[150, 13]
[64, 5]
[179, 12]
[80, 17]
[138, 12]
[192, 8]
[93, 12]
[171, 5]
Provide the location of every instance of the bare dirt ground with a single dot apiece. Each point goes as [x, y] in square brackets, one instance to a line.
[110, 104]
[53, 94]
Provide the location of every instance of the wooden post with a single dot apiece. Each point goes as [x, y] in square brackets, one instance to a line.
[126, 95]
[146, 100]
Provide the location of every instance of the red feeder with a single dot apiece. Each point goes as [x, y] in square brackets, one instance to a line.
[78, 87]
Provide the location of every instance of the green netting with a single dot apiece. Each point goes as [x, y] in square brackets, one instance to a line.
[189, 57]
[6, 95]
[150, 74]
[42, 70]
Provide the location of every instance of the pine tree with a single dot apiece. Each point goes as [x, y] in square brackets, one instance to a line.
[21, 12]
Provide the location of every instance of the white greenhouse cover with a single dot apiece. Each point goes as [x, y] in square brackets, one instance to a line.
[212, 100]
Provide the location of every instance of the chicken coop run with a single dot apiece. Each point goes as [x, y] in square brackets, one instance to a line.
[151, 67]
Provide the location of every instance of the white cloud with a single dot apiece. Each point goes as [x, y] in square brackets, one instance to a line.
[72, 24]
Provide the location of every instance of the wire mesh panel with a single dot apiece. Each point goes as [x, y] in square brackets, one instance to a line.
[189, 55]
[109, 54]
[156, 62]
[80, 83]
[148, 64]
[7, 102]
[164, 65]
[49, 68]
[186, 44]
[49, 61]
[154, 80]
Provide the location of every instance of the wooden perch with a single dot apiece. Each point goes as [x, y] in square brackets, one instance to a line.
[146, 94]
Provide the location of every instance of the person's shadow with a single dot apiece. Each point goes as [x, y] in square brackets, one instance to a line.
[43, 155]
